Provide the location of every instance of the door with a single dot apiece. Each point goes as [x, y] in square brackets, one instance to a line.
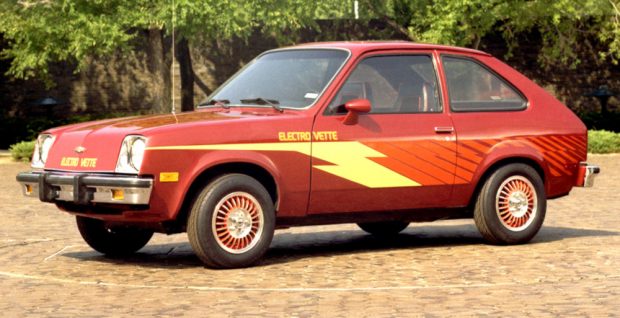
[480, 95]
[399, 156]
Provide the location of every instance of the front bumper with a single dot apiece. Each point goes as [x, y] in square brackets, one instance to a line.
[85, 189]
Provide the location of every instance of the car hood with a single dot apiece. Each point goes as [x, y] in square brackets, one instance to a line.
[94, 146]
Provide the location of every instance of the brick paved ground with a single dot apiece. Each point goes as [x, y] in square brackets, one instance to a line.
[570, 269]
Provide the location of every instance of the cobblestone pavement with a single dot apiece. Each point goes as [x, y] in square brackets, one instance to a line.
[571, 268]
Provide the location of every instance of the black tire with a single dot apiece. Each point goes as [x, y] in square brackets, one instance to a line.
[511, 206]
[117, 241]
[246, 222]
[384, 228]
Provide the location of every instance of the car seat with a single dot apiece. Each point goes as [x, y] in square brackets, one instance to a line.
[415, 98]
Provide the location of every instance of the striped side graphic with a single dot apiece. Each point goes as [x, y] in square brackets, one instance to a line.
[428, 162]
[559, 152]
[388, 164]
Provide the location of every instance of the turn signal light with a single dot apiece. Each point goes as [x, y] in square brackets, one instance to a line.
[118, 194]
[28, 189]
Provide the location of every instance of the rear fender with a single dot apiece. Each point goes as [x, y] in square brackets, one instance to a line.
[511, 151]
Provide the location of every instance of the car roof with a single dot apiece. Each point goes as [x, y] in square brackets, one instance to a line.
[360, 47]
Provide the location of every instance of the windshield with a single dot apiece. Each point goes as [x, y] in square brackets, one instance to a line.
[288, 79]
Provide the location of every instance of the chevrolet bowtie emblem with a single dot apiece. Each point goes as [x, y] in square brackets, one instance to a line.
[79, 149]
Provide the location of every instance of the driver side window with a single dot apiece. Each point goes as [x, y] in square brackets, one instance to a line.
[392, 84]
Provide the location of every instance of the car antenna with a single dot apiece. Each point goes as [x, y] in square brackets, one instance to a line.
[172, 64]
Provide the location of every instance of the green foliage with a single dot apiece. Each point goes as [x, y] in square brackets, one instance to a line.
[602, 141]
[22, 151]
[561, 23]
[41, 32]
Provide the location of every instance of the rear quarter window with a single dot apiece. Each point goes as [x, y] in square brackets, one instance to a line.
[473, 87]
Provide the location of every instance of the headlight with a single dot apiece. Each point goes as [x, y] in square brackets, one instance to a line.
[137, 153]
[41, 150]
[131, 154]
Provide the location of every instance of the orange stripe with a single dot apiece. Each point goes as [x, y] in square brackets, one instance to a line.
[446, 164]
[479, 145]
[460, 159]
[554, 172]
[464, 164]
[470, 155]
[464, 174]
[442, 148]
[562, 142]
[411, 160]
[428, 149]
[571, 155]
[580, 143]
[554, 168]
[488, 142]
[556, 158]
[407, 171]
[540, 144]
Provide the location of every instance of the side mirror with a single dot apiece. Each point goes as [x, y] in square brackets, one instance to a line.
[355, 107]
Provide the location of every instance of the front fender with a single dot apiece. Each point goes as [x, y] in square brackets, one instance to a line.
[189, 165]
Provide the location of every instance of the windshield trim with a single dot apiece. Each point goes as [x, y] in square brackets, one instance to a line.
[294, 48]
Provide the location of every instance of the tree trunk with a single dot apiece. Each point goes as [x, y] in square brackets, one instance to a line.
[203, 87]
[184, 58]
[160, 61]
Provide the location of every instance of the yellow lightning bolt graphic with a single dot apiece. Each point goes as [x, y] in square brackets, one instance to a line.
[350, 160]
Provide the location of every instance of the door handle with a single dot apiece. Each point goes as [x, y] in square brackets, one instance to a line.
[444, 130]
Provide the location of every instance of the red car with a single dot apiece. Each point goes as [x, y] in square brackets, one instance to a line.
[375, 133]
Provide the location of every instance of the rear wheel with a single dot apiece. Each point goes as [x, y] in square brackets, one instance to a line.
[112, 241]
[511, 206]
[232, 222]
[383, 228]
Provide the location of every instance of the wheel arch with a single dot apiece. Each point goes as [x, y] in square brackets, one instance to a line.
[501, 162]
[256, 171]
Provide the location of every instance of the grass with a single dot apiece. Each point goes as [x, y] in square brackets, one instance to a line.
[22, 151]
[603, 141]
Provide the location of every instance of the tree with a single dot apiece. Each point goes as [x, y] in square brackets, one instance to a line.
[41, 32]
[561, 23]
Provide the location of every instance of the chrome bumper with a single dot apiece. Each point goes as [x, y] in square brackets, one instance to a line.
[587, 173]
[86, 188]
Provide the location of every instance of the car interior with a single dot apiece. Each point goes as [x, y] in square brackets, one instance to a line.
[393, 84]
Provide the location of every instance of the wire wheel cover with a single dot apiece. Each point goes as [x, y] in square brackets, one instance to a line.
[238, 222]
[516, 203]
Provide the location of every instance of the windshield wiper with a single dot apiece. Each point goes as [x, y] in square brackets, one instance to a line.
[217, 102]
[263, 101]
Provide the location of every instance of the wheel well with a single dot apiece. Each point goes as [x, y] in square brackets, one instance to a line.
[252, 170]
[496, 166]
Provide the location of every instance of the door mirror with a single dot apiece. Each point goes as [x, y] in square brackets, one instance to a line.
[354, 107]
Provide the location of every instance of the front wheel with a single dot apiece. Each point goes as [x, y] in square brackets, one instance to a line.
[112, 241]
[511, 206]
[232, 222]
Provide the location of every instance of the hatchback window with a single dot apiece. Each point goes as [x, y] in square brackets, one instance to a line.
[392, 84]
[473, 87]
